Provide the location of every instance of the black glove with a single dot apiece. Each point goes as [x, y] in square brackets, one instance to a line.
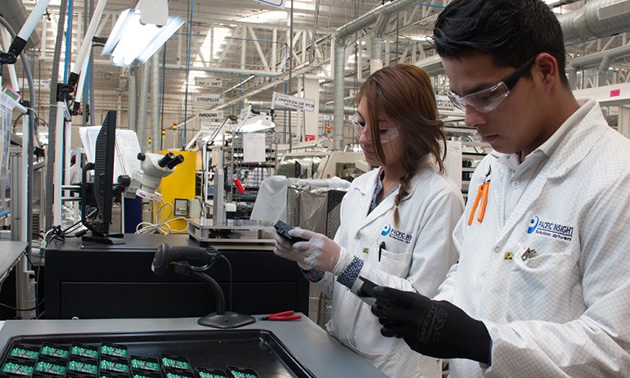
[434, 328]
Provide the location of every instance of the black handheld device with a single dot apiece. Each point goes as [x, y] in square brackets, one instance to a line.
[367, 288]
[368, 295]
[283, 230]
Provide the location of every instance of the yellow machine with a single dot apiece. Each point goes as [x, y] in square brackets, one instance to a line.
[177, 189]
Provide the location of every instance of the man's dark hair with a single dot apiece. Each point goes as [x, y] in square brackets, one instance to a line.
[511, 31]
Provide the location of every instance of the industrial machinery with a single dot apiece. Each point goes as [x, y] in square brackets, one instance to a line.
[322, 164]
[154, 167]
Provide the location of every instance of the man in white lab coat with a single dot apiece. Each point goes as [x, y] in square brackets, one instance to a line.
[542, 285]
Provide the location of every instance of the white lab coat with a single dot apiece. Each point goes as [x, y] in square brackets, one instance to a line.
[75, 174]
[565, 310]
[417, 256]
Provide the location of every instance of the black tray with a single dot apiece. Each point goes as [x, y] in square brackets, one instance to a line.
[255, 349]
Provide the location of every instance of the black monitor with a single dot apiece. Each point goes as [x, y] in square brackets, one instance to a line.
[103, 188]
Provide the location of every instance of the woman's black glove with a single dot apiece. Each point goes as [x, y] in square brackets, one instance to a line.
[434, 328]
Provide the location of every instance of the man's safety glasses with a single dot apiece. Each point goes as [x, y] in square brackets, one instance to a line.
[488, 99]
[386, 134]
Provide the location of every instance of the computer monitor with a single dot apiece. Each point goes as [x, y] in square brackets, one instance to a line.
[103, 188]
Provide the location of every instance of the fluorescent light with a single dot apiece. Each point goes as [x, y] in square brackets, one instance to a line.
[256, 123]
[131, 40]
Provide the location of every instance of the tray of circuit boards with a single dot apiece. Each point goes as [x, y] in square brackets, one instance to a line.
[248, 353]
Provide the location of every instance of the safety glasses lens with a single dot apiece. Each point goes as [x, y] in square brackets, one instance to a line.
[483, 101]
[389, 135]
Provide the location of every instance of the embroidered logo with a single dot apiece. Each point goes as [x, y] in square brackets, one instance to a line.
[550, 229]
[386, 230]
[396, 234]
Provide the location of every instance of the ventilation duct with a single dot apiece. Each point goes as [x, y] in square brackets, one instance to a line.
[598, 18]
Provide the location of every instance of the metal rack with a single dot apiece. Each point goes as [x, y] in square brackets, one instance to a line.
[248, 174]
[473, 150]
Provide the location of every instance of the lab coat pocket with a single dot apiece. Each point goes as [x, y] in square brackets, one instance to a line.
[396, 263]
[542, 280]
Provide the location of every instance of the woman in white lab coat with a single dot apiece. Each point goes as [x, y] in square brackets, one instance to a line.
[396, 221]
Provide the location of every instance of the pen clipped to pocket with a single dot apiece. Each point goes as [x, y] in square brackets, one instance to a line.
[381, 247]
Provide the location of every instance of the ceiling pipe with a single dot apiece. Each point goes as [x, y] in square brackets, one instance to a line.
[432, 65]
[339, 41]
[595, 59]
[601, 60]
[598, 18]
[376, 48]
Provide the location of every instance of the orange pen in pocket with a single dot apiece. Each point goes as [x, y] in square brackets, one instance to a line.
[481, 200]
[474, 208]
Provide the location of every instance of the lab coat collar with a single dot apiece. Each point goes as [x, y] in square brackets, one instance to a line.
[570, 143]
[585, 128]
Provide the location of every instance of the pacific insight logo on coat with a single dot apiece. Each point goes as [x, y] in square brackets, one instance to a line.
[550, 229]
[396, 234]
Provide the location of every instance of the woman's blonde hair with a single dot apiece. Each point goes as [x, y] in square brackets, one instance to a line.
[403, 93]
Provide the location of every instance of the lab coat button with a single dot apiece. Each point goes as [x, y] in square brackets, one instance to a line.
[515, 184]
[497, 249]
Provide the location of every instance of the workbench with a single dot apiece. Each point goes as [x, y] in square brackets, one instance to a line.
[95, 281]
[311, 351]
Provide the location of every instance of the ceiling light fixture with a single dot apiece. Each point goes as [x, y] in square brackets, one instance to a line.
[256, 122]
[134, 38]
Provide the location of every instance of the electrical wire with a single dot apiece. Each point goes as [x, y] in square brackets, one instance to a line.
[229, 278]
[59, 234]
[160, 225]
[23, 309]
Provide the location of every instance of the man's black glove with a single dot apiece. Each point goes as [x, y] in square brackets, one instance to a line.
[434, 328]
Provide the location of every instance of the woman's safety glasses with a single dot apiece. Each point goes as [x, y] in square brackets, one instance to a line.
[488, 99]
[386, 134]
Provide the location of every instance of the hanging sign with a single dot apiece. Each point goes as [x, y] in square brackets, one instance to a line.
[209, 82]
[444, 103]
[210, 114]
[292, 102]
[217, 98]
[41, 84]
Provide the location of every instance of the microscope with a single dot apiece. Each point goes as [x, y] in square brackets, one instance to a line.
[153, 167]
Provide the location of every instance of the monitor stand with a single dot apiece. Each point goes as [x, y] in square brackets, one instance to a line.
[111, 239]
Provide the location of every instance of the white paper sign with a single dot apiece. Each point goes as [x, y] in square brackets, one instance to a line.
[217, 98]
[210, 82]
[41, 84]
[127, 149]
[254, 147]
[209, 127]
[210, 114]
[292, 102]
[444, 103]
